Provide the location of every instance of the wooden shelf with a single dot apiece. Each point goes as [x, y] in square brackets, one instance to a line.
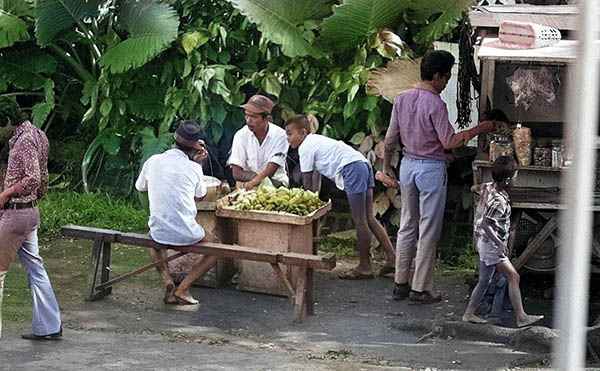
[486, 163]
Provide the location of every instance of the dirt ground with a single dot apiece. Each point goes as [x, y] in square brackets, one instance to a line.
[357, 326]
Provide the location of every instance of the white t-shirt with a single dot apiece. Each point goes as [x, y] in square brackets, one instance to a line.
[327, 156]
[250, 155]
[172, 181]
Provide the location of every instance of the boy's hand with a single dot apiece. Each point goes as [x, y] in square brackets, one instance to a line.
[387, 180]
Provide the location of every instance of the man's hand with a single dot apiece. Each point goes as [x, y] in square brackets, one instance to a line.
[252, 184]
[3, 200]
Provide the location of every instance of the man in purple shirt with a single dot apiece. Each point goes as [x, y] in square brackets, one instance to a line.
[26, 182]
[420, 124]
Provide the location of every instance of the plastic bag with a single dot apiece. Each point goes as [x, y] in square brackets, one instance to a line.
[522, 140]
[529, 84]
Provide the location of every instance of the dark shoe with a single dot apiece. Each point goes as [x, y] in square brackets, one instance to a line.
[32, 336]
[424, 297]
[401, 291]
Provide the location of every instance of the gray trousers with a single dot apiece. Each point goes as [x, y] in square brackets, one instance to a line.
[18, 235]
[423, 192]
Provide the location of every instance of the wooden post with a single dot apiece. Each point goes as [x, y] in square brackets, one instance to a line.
[300, 307]
[310, 292]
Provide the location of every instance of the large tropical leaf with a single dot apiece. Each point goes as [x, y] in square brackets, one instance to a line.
[278, 20]
[152, 27]
[399, 75]
[442, 17]
[354, 20]
[152, 144]
[147, 103]
[13, 29]
[54, 16]
[24, 68]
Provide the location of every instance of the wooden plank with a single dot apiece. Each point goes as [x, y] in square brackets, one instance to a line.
[326, 262]
[288, 287]
[544, 233]
[140, 270]
[273, 217]
[300, 306]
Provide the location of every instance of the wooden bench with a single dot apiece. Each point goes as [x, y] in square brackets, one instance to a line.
[302, 294]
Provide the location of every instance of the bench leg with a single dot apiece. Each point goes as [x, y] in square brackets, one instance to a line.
[101, 261]
[310, 292]
[286, 284]
[300, 307]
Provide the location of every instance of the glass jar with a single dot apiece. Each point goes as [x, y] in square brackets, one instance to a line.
[557, 153]
[542, 156]
[500, 146]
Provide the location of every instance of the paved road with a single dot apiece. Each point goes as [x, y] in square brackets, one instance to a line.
[234, 330]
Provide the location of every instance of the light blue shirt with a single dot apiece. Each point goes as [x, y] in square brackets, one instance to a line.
[172, 181]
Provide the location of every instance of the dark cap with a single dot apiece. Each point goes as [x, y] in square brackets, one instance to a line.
[189, 130]
[258, 104]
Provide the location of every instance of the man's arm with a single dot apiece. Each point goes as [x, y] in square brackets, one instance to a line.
[462, 138]
[391, 144]
[242, 175]
[307, 181]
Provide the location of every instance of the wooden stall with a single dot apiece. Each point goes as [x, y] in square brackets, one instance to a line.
[273, 232]
[536, 195]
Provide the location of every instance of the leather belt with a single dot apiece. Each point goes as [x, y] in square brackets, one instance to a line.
[21, 205]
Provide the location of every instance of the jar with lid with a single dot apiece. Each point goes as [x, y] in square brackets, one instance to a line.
[500, 146]
[542, 156]
[557, 153]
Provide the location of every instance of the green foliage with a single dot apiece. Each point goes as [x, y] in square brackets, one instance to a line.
[54, 16]
[440, 17]
[152, 26]
[354, 20]
[339, 246]
[26, 68]
[89, 209]
[12, 29]
[282, 22]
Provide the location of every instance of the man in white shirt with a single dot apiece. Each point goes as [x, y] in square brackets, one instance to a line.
[259, 149]
[173, 180]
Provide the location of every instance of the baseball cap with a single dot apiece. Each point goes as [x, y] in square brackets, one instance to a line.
[258, 104]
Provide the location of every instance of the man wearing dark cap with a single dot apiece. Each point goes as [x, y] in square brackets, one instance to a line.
[173, 180]
[259, 149]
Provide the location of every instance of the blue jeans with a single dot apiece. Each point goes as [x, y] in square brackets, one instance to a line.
[18, 235]
[423, 192]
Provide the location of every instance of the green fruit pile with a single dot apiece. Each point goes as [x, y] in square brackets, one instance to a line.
[294, 201]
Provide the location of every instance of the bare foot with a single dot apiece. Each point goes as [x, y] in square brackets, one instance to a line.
[528, 320]
[169, 294]
[185, 298]
[473, 319]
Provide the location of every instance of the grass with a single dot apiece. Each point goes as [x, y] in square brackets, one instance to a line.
[92, 210]
[67, 261]
[339, 246]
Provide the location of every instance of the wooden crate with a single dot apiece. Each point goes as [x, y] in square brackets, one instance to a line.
[276, 232]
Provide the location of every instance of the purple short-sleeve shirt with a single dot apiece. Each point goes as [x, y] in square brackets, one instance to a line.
[421, 118]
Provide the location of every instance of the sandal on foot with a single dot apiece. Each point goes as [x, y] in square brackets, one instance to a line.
[184, 301]
[354, 275]
[387, 269]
